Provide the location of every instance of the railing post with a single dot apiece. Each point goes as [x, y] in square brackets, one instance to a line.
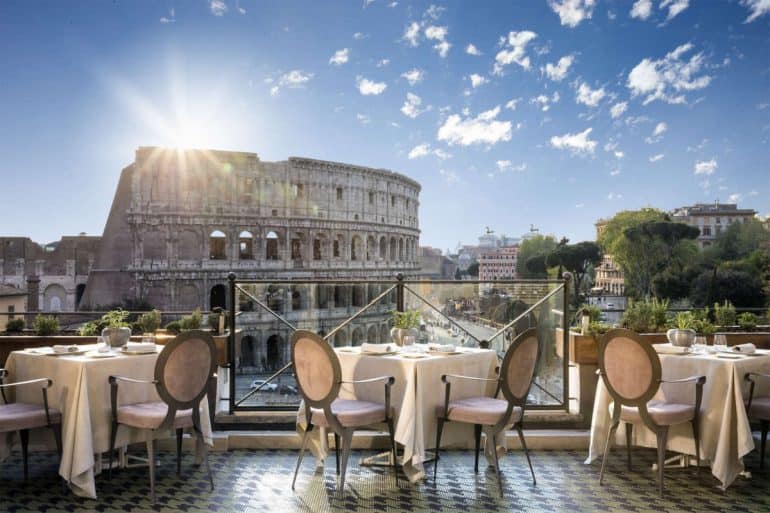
[231, 344]
[484, 344]
[400, 292]
[565, 321]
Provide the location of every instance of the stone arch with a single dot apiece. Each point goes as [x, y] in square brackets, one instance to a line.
[245, 245]
[371, 334]
[273, 348]
[384, 334]
[319, 246]
[188, 245]
[272, 242]
[275, 298]
[383, 248]
[54, 298]
[154, 245]
[371, 248]
[359, 295]
[157, 294]
[338, 246]
[393, 249]
[322, 296]
[358, 336]
[372, 292]
[218, 297]
[355, 247]
[248, 351]
[341, 296]
[79, 291]
[298, 298]
[187, 297]
[401, 250]
[297, 246]
[340, 338]
[217, 245]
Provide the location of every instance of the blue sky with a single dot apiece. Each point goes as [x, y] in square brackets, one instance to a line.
[551, 113]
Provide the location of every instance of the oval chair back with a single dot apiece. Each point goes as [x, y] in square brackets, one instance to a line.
[317, 369]
[629, 366]
[183, 370]
[519, 365]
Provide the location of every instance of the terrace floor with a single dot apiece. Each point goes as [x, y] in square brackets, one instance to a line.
[260, 481]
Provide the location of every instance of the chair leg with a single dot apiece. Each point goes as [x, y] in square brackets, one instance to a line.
[347, 441]
[439, 429]
[151, 464]
[497, 463]
[607, 447]
[526, 452]
[696, 437]
[179, 433]
[629, 434]
[662, 436]
[337, 452]
[204, 450]
[392, 432]
[477, 436]
[56, 428]
[24, 437]
[763, 425]
[301, 454]
[113, 435]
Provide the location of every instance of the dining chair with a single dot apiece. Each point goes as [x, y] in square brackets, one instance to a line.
[22, 417]
[319, 379]
[182, 373]
[514, 380]
[759, 408]
[631, 371]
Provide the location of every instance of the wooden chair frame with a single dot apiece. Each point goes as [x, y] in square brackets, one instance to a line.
[764, 424]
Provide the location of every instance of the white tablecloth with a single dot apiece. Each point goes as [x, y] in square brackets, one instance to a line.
[416, 394]
[725, 434]
[82, 393]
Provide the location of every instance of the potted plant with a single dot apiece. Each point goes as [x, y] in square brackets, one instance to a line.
[149, 322]
[14, 326]
[682, 334]
[117, 329]
[747, 321]
[46, 325]
[404, 323]
[724, 314]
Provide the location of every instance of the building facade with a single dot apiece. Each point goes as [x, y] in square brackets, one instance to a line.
[13, 302]
[711, 218]
[609, 279]
[499, 264]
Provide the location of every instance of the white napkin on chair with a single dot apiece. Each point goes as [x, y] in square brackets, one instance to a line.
[744, 348]
[377, 348]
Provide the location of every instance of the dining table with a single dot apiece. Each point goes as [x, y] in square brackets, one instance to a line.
[81, 392]
[415, 397]
[725, 432]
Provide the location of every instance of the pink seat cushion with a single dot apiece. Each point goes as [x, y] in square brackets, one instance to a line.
[350, 413]
[150, 415]
[480, 410]
[662, 413]
[16, 416]
[760, 408]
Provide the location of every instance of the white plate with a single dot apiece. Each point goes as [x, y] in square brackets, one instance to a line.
[414, 355]
[96, 354]
[148, 351]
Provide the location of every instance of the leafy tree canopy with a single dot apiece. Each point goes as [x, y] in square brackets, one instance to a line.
[538, 245]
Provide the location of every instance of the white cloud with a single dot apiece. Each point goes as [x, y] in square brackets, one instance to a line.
[614, 196]
[558, 71]
[411, 107]
[424, 149]
[615, 172]
[657, 133]
[705, 167]
[667, 79]
[218, 7]
[544, 102]
[758, 8]
[450, 176]
[340, 57]
[619, 154]
[413, 76]
[383, 62]
[412, 34]
[392, 4]
[734, 198]
[433, 12]
[610, 145]
[506, 165]
[655, 158]
[618, 109]
[171, 17]
[514, 50]
[369, 87]
[511, 104]
[358, 36]
[674, 7]
[483, 129]
[472, 50]
[478, 80]
[578, 143]
[572, 12]
[438, 34]
[363, 119]
[241, 10]
[753, 192]
[642, 9]
[293, 79]
[589, 97]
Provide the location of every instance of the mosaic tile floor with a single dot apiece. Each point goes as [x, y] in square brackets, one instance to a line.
[259, 481]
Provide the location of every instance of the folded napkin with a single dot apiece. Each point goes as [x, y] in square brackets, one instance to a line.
[64, 349]
[140, 346]
[377, 348]
[442, 348]
[744, 348]
[670, 349]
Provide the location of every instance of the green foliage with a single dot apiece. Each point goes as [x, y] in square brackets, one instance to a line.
[115, 319]
[724, 314]
[89, 329]
[14, 326]
[578, 259]
[594, 312]
[747, 321]
[46, 325]
[473, 270]
[192, 321]
[150, 321]
[684, 321]
[174, 327]
[741, 288]
[646, 316]
[406, 319]
[535, 249]
[596, 329]
[697, 320]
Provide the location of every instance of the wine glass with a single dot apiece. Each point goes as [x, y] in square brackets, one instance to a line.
[699, 345]
[720, 342]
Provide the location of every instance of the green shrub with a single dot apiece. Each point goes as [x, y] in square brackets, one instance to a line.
[150, 321]
[89, 329]
[646, 316]
[46, 325]
[115, 319]
[596, 329]
[594, 312]
[174, 327]
[406, 319]
[724, 315]
[14, 326]
[747, 321]
[192, 321]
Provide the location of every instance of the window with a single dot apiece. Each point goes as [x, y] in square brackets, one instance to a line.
[245, 246]
[317, 249]
[298, 190]
[275, 213]
[296, 249]
[371, 197]
[706, 231]
[339, 193]
[393, 200]
[217, 245]
[11, 311]
[271, 247]
[336, 249]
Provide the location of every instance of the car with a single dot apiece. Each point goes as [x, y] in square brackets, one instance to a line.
[287, 389]
[267, 387]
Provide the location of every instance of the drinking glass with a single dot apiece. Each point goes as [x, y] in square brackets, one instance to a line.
[699, 345]
[720, 342]
[408, 340]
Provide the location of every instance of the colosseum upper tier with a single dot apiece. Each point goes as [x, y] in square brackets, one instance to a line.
[181, 220]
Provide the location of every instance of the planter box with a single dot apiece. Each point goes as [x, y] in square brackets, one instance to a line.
[582, 348]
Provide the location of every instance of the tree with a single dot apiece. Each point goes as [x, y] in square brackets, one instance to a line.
[473, 270]
[742, 289]
[578, 259]
[538, 245]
